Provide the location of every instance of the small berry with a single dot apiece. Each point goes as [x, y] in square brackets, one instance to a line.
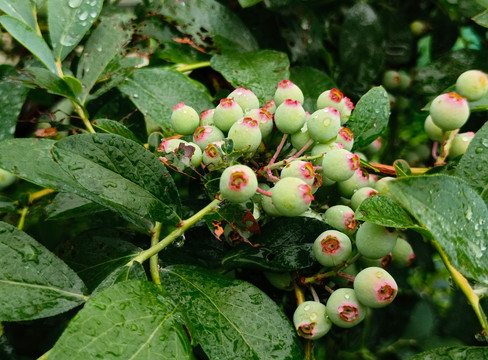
[287, 90]
[405, 80]
[267, 203]
[173, 145]
[344, 309]
[434, 132]
[212, 156]
[245, 134]
[270, 106]
[324, 124]
[346, 107]
[206, 117]
[402, 253]
[381, 185]
[238, 183]
[169, 145]
[472, 84]
[311, 320]
[341, 217]
[449, 111]
[227, 113]
[375, 241]
[359, 196]
[330, 97]
[245, 98]
[357, 181]
[292, 196]
[280, 280]
[339, 164]
[391, 79]
[6, 179]
[184, 119]
[264, 119]
[346, 138]
[207, 134]
[300, 138]
[332, 248]
[375, 287]
[460, 144]
[319, 148]
[290, 116]
[300, 169]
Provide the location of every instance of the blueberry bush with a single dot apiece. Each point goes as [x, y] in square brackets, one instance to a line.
[243, 179]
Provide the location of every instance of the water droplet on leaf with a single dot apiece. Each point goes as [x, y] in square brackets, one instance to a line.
[74, 3]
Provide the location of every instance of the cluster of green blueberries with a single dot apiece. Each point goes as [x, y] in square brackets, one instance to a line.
[319, 154]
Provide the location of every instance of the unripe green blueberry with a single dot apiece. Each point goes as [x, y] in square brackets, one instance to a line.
[212, 155]
[381, 185]
[330, 97]
[238, 183]
[268, 205]
[264, 119]
[402, 253]
[319, 148]
[292, 196]
[460, 144]
[341, 217]
[184, 119]
[374, 147]
[382, 262]
[324, 124]
[434, 132]
[344, 308]
[405, 80]
[287, 90]
[359, 196]
[6, 179]
[245, 134]
[290, 116]
[375, 241]
[346, 107]
[346, 138]
[197, 156]
[270, 106]
[172, 145]
[207, 134]
[418, 27]
[245, 98]
[375, 287]
[391, 79]
[332, 248]
[339, 164]
[449, 111]
[206, 117]
[472, 84]
[280, 280]
[357, 181]
[227, 113]
[311, 320]
[300, 138]
[300, 169]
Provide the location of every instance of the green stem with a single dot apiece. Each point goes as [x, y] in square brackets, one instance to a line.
[23, 215]
[281, 163]
[83, 115]
[465, 287]
[180, 230]
[153, 260]
[188, 67]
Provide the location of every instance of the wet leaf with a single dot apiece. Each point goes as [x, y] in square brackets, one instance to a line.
[312, 82]
[120, 175]
[453, 353]
[455, 215]
[34, 283]
[21, 10]
[285, 244]
[259, 71]
[115, 127]
[123, 273]
[129, 320]
[69, 205]
[231, 319]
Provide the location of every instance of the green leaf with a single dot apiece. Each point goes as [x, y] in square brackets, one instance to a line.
[455, 215]
[129, 320]
[120, 175]
[482, 19]
[155, 92]
[51, 82]
[69, 205]
[21, 10]
[30, 159]
[68, 22]
[123, 273]
[25, 35]
[259, 71]
[248, 3]
[74, 84]
[34, 283]
[384, 211]
[312, 82]
[473, 166]
[116, 128]
[12, 98]
[453, 353]
[361, 49]
[106, 41]
[209, 24]
[285, 244]
[231, 319]
[8, 205]
[370, 117]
